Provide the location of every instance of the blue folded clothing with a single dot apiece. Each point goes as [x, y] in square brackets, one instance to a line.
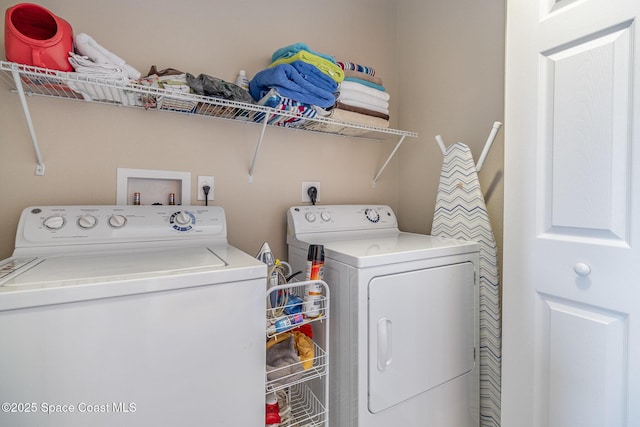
[315, 76]
[308, 86]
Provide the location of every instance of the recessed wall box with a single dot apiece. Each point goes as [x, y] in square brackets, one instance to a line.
[154, 186]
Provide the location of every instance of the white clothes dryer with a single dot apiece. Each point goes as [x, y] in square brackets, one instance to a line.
[130, 316]
[404, 327]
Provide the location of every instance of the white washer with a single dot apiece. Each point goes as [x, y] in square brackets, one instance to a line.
[130, 316]
[404, 326]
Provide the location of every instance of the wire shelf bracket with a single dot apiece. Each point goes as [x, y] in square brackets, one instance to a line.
[27, 115]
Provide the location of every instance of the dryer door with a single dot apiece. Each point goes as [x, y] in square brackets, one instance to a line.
[422, 331]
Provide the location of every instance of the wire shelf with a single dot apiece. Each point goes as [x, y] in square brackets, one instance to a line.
[306, 409]
[36, 81]
[52, 83]
[318, 370]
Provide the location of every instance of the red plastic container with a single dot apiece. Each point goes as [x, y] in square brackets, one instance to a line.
[35, 36]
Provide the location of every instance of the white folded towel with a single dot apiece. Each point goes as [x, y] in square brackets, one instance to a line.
[87, 46]
[360, 88]
[113, 77]
[359, 95]
[84, 65]
[363, 98]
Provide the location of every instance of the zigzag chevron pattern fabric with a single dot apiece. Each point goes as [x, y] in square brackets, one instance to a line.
[461, 213]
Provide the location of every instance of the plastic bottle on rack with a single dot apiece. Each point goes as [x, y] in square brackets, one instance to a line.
[285, 323]
[315, 271]
[265, 255]
[272, 410]
[242, 80]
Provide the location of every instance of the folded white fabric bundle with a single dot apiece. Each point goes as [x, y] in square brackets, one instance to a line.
[84, 65]
[362, 98]
[349, 86]
[87, 46]
[93, 92]
[107, 73]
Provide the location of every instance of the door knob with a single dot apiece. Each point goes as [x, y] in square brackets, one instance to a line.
[582, 269]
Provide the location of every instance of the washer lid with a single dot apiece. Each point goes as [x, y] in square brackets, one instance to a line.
[75, 277]
[69, 269]
[401, 247]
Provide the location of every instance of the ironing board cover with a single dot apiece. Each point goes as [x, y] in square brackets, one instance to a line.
[461, 213]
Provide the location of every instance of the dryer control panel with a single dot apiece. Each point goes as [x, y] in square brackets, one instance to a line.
[340, 218]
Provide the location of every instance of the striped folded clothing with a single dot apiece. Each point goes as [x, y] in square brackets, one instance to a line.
[295, 112]
[356, 67]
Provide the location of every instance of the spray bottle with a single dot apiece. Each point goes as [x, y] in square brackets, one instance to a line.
[265, 255]
[315, 271]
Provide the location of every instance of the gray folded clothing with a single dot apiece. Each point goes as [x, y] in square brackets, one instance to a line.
[212, 86]
[283, 362]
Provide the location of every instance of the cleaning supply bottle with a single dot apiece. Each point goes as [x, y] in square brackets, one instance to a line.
[315, 271]
[242, 80]
[285, 323]
[272, 411]
[265, 255]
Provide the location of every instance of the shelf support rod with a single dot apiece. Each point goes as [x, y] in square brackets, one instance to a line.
[255, 155]
[27, 116]
[375, 179]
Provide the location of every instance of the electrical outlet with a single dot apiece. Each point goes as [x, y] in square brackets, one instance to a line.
[202, 181]
[305, 187]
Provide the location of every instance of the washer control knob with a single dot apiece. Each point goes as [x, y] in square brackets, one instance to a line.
[310, 216]
[54, 222]
[117, 221]
[326, 216]
[87, 221]
[182, 218]
[372, 215]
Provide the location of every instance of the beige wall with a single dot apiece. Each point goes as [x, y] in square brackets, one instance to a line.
[450, 82]
[442, 65]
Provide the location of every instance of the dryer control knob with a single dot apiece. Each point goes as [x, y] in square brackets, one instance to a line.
[117, 221]
[372, 215]
[326, 216]
[55, 222]
[87, 221]
[310, 216]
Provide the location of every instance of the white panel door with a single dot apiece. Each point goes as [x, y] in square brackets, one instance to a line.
[571, 286]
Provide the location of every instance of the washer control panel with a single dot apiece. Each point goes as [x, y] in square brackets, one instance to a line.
[69, 225]
[329, 218]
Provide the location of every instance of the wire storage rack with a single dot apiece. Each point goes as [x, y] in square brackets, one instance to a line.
[303, 393]
[30, 80]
